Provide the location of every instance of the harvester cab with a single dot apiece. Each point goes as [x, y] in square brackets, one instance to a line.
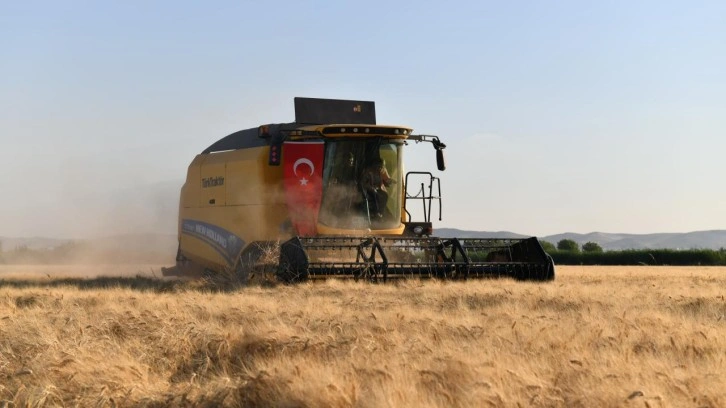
[331, 187]
[347, 179]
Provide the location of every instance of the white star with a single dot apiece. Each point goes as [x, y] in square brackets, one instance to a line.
[303, 181]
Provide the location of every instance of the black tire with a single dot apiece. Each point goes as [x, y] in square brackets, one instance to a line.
[242, 273]
[293, 266]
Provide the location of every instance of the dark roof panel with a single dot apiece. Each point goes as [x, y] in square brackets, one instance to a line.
[242, 139]
[313, 111]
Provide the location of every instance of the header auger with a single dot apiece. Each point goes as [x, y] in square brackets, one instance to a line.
[330, 187]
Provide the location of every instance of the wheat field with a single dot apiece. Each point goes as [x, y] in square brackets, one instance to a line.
[596, 336]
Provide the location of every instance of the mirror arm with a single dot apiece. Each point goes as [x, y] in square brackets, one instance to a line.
[434, 140]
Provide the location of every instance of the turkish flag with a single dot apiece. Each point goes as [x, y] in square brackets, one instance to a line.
[303, 178]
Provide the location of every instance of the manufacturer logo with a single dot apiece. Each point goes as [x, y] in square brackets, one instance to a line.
[212, 181]
[224, 242]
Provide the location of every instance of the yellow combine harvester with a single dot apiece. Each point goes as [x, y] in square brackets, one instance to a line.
[330, 187]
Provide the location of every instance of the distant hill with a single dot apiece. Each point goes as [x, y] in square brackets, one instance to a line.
[688, 240]
[119, 249]
[457, 233]
[714, 239]
[33, 243]
[132, 248]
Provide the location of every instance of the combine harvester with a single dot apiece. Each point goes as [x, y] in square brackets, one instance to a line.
[329, 192]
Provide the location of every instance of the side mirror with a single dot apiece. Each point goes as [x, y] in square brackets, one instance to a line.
[440, 159]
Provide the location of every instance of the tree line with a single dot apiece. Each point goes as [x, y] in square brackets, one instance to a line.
[569, 252]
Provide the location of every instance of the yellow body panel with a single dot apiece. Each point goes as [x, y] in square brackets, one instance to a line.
[249, 203]
[236, 196]
[325, 230]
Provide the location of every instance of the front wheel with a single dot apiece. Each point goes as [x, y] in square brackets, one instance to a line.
[293, 265]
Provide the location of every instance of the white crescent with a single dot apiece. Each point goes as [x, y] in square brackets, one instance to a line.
[303, 161]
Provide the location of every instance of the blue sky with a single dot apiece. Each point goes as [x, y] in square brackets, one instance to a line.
[558, 116]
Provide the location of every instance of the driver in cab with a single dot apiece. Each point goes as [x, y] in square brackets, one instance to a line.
[374, 180]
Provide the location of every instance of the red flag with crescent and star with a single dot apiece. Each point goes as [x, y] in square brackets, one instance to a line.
[303, 178]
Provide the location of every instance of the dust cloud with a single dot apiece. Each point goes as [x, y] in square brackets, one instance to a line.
[83, 230]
